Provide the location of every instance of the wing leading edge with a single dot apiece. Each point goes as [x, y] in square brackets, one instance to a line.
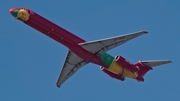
[99, 47]
[71, 65]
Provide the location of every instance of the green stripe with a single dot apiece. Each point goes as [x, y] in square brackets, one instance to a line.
[15, 13]
[107, 59]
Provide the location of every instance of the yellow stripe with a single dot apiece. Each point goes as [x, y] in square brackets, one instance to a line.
[118, 69]
[23, 15]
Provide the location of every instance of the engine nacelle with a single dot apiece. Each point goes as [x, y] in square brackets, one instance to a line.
[113, 75]
[121, 61]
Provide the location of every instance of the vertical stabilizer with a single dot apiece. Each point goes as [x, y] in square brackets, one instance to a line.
[145, 66]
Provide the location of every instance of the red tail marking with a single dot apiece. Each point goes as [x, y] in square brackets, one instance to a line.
[143, 69]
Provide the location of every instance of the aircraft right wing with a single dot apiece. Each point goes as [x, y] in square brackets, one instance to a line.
[99, 47]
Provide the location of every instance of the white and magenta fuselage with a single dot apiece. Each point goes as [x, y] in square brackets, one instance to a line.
[119, 67]
[57, 33]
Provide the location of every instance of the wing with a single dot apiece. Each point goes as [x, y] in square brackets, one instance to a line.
[99, 47]
[71, 65]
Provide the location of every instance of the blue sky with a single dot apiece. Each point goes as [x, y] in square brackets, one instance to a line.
[30, 62]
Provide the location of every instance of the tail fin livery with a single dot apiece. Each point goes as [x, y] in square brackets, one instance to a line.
[145, 66]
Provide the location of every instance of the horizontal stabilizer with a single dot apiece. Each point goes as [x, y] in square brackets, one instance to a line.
[145, 66]
[153, 63]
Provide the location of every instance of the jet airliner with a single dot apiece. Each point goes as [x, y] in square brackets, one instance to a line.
[82, 52]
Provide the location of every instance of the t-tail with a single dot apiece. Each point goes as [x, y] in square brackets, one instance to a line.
[145, 66]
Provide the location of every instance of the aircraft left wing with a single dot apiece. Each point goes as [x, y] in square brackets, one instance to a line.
[71, 65]
[99, 47]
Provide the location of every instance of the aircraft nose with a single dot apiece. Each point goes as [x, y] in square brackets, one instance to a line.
[11, 10]
[14, 12]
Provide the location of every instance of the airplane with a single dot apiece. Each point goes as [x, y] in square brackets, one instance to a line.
[81, 52]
